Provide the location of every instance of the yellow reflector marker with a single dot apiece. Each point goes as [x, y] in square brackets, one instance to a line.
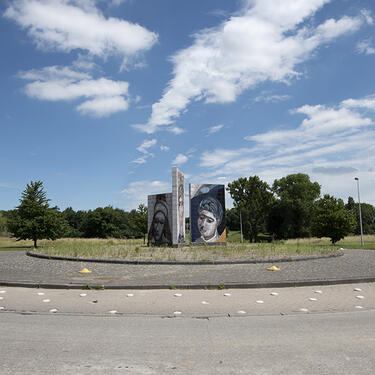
[273, 268]
[85, 270]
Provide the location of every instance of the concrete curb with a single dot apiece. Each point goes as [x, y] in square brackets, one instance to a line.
[282, 284]
[217, 262]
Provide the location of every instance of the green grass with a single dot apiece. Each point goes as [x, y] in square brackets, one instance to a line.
[135, 250]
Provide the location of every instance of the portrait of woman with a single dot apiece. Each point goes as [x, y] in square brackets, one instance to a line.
[159, 232]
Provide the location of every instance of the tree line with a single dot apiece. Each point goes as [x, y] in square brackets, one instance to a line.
[35, 219]
[291, 208]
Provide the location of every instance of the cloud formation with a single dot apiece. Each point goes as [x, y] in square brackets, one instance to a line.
[146, 144]
[265, 41]
[137, 192]
[103, 96]
[214, 129]
[334, 170]
[180, 159]
[66, 25]
[338, 139]
[365, 46]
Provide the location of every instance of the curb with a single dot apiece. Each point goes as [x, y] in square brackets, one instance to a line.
[283, 284]
[214, 262]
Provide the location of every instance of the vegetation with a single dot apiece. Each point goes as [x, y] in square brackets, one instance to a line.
[331, 219]
[3, 223]
[107, 222]
[368, 216]
[33, 218]
[135, 251]
[253, 199]
[295, 211]
[291, 213]
[289, 209]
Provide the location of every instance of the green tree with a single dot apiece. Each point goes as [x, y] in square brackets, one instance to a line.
[3, 223]
[34, 219]
[141, 220]
[232, 219]
[331, 219]
[253, 198]
[291, 214]
[368, 216]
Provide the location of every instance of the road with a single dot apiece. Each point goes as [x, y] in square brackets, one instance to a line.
[341, 343]
[233, 334]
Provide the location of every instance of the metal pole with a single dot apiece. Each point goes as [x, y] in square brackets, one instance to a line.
[241, 227]
[360, 211]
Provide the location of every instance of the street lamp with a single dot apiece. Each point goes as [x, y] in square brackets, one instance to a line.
[360, 212]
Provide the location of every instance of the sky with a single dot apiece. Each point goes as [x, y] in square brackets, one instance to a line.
[100, 99]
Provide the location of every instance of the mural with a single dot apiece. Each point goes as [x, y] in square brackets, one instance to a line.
[207, 213]
[159, 219]
[178, 199]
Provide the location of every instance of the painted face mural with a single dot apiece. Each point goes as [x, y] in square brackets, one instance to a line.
[207, 213]
[159, 230]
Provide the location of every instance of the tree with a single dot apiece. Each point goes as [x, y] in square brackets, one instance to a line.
[291, 214]
[141, 220]
[232, 219]
[3, 223]
[253, 198]
[368, 216]
[33, 219]
[331, 219]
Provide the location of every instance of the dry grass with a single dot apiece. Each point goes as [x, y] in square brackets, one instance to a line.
[135, 250]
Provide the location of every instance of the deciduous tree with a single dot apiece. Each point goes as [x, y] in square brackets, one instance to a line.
[291, 213]
[331, 219]
[253, 198]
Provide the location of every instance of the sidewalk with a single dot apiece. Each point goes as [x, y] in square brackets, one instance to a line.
[18, 269]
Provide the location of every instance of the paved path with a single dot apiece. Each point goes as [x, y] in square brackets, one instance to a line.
[18, 269]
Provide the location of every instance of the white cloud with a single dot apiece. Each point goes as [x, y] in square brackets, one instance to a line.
[103, 106]
[367, 16]
[334, 141]
[137, 192]
[365, 46]
[66, 25]
[164, 148]
[140, 160]
[146, 144]
[334, 170]
[367, 103]
[271, 98]
[265, 41]
[214, 129]
[117, 2]
[180, 159]
[176, 130]
[61, 83]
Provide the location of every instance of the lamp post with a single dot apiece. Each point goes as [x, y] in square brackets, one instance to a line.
[360, 212]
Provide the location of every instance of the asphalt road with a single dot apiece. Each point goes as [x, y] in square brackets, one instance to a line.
[16, 268]
[189, 303]
[341, 343]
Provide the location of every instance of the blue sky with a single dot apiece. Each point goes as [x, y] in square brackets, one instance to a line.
[99, 99]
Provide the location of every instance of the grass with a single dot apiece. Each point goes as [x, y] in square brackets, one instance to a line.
[135, 250]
